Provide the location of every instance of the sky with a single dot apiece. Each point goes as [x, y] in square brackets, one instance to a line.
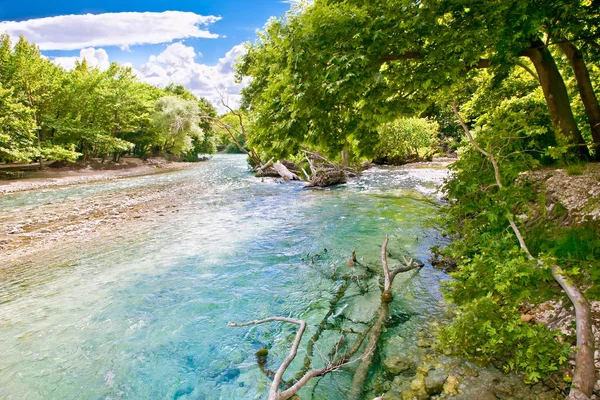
[187, 42]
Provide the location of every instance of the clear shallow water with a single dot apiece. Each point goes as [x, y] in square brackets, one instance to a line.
[144, 315]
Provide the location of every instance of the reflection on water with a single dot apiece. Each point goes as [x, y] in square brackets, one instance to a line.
[144, 315]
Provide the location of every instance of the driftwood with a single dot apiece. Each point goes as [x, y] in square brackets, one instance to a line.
[360, 376]
[584, 377]
[277, 169]
[266, 170]
[284, 172]
[324, 172]
[337, 360]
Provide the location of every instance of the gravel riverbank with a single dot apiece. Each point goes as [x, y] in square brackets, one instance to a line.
[81, 219]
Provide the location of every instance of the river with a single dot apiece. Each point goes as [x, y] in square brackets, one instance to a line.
[143, 314]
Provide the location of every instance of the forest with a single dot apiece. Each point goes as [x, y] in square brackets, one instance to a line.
[52, 114]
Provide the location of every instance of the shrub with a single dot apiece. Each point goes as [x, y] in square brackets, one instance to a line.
[405, 140]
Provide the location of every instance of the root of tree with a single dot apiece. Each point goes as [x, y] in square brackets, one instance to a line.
[324, 172]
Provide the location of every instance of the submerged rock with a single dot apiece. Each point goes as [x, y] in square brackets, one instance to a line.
[451, 385]
[396, 365]
[184, 391]
[434, 381]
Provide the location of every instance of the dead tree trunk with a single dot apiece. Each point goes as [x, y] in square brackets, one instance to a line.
[324, 172]
[338, 361]
[585, 371]
[274, 391]
[277, 169]
[285, 173]
[346, 154]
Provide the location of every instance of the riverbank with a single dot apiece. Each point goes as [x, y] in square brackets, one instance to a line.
[83, 219]
[60, 174]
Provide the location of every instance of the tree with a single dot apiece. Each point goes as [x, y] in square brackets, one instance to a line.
[406, 139]
[176, 122]
[17, 129]
[335, 70]
[35, 81]
[210, 140]
[179, 91]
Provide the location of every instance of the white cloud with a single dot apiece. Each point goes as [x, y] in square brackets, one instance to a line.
[176, 55]
[177, 65]
[74, 32]
[94, 57]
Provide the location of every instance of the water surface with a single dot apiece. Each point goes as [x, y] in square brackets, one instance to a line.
[144, 314]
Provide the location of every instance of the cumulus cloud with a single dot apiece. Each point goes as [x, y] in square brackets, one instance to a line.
[94, 57]
[177, 64]
[74, 32]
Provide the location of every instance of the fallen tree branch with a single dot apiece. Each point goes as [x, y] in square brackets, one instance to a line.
[362, 371]
[373, 331]
[274, 392]
[284, 172]
[584, 376]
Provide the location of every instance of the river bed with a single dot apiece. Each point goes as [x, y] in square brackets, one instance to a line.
[140, 311]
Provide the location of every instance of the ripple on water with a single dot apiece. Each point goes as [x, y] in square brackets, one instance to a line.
[145, 315]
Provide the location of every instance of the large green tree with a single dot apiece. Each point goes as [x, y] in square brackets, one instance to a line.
[176, 122]
[17, 129]
[337, 68]
[35, 81]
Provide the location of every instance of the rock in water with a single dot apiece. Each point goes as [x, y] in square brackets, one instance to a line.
[396, 365]
[434, 381]
[451, 385]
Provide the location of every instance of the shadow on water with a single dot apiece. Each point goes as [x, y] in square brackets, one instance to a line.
[145, 315]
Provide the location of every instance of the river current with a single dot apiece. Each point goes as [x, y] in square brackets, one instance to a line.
[143, 315]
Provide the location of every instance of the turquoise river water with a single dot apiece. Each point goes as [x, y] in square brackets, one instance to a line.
[143, 315]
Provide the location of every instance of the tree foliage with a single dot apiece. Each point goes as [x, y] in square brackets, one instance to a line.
[17, 129]
[405, 140]
[176, 121]
[54, 114]
[333, 71]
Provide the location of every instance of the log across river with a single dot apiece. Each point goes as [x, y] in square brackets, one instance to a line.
[141, 311]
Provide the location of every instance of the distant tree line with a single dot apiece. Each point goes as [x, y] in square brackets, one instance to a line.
[49, 113]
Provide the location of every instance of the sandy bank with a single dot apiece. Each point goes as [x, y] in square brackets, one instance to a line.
[94, 171]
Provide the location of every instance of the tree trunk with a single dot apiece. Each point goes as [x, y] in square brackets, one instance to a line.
[557, 98]
[586, 91]
[346, 154]
[39, 144]
[362, 371]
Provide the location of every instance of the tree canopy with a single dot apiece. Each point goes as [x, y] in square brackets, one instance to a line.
[333, 70]
[54, 114]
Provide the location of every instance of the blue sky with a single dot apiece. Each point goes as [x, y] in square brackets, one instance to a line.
[194, 47]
